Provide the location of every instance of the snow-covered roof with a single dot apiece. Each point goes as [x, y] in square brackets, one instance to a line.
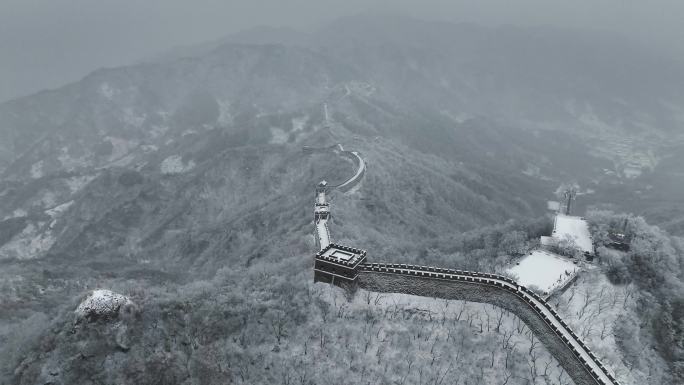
[575, 228]
[543, 269]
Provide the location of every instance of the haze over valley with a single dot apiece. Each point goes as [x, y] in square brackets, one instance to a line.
[179, 192]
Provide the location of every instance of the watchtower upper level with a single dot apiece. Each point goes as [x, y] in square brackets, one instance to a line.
[322, 207]
[338, 263]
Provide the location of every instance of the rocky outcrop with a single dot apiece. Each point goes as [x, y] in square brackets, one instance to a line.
[103, 305]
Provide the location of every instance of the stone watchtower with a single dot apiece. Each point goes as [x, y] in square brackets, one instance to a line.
[338, 264]
[322, 207]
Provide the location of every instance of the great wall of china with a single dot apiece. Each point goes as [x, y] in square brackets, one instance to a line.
[347, 267]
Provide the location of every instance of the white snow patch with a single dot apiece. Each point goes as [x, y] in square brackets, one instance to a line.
[101, 302]
[631, 172]
[58, 210]
[133, 119]
[278, 136]
[48, 199]
[593, 307]
[107, 91]
[298, 124]
[573, 228]
[553, 205]
[16, 214]
[69, 163]
[122, 162]
[158, 131]
[76, 183]
[225, 117]
[37, 170]
[30, 243]
[174, 165]
[120, 147]
[149, 148]
[544, 270]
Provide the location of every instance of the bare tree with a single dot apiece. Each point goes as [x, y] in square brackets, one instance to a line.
[506, 339]
[629, 293]
[519, 326]
[367, 296]
[532, 365]
[546, 368]
[367, 336]
[499, 320]
[509, 352]
[278, 324]
[439, 379]
[507, 376]
[461, 310]
[587, 301]
[287, 375]
[444, 309]
[604, 329]
[409, 365]
[322, 338]
[533, 342]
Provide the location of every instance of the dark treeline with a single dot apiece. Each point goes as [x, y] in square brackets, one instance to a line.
[655, 264]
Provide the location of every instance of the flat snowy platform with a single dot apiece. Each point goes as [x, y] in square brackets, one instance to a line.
[543, 269]
[574, 228]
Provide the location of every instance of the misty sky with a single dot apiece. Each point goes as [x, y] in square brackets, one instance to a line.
[47, 43]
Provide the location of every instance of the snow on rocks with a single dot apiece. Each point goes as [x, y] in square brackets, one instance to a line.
[174, 165]
[103, 303]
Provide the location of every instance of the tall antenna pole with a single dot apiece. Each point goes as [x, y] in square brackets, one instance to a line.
[570, 194]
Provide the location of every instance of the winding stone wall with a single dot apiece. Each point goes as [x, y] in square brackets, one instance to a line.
[483, 293]
[353, 181]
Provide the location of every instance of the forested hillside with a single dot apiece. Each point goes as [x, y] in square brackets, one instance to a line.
[181, 184]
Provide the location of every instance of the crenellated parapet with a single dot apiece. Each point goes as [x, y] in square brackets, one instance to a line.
[577, 359]
[346, 267]
[337, 264]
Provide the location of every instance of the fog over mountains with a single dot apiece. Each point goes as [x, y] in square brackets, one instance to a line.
[181, 182]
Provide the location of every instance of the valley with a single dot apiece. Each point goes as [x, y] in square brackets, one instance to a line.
[180, 186]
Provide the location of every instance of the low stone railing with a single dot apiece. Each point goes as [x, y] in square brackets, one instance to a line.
[595, 370]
